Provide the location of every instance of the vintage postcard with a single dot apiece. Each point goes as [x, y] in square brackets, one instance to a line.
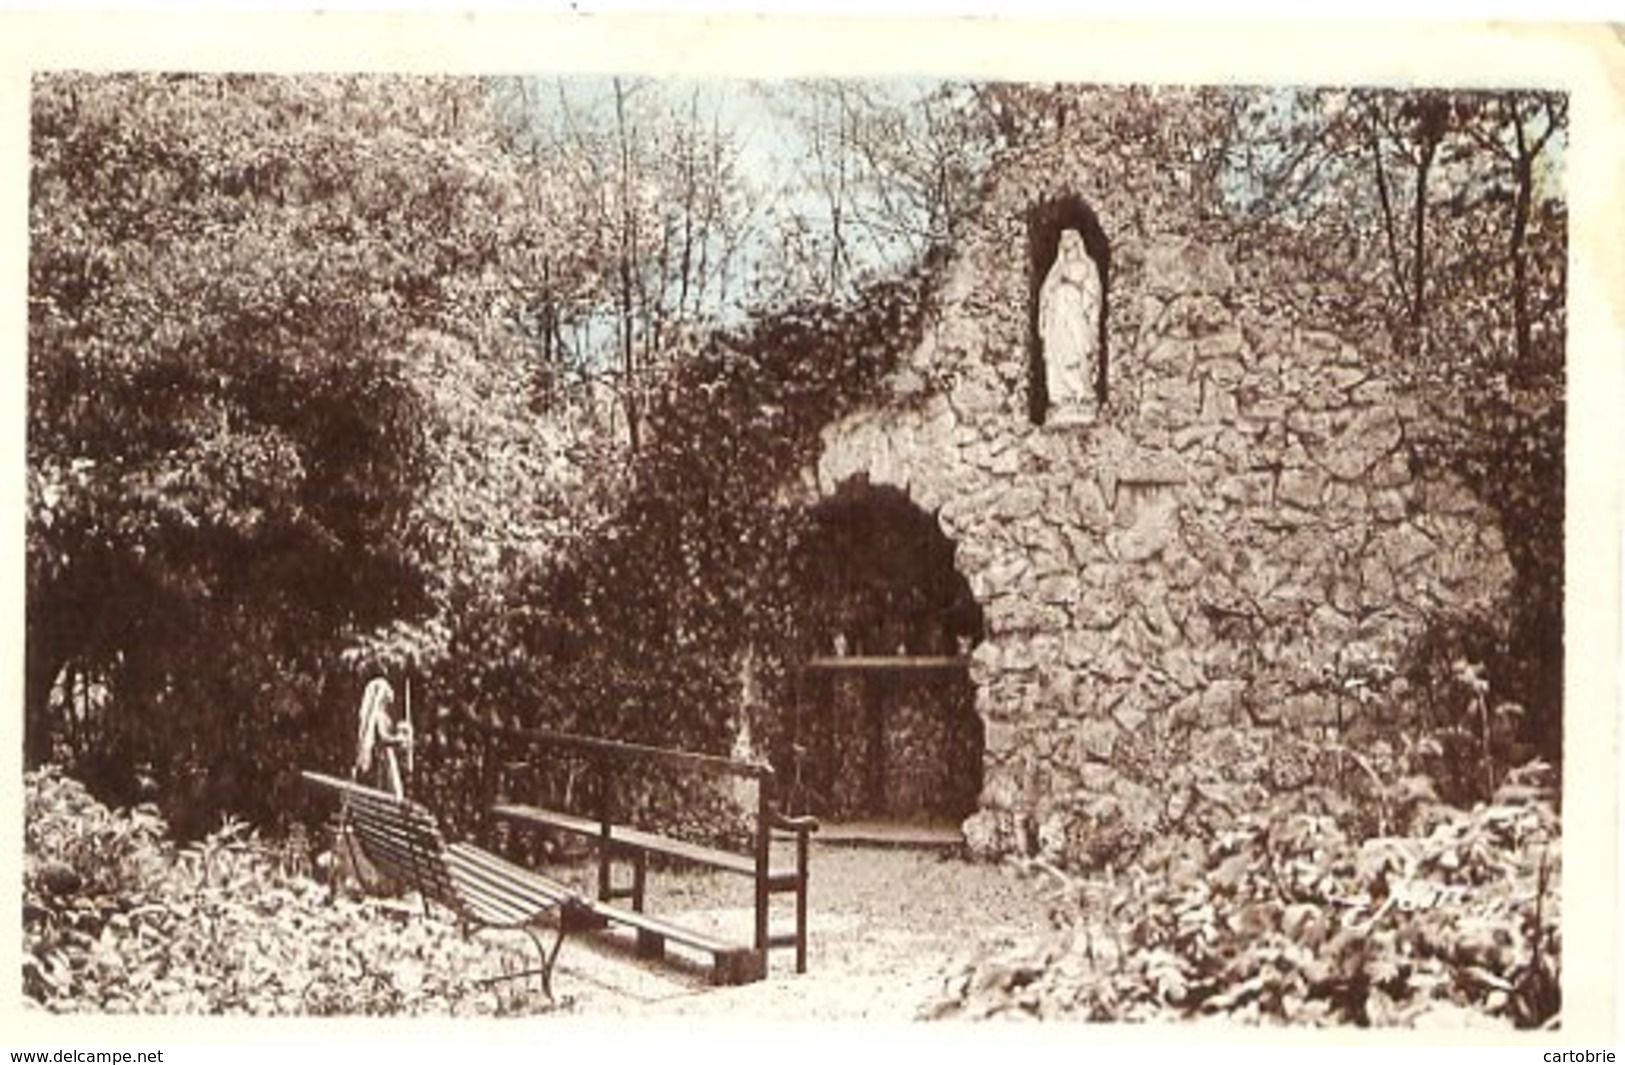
[735, 521]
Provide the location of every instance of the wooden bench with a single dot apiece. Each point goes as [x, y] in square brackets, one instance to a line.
[403, 841]
[733, 963]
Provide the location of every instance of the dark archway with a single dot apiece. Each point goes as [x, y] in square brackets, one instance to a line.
[885, 726]
[1045, 223]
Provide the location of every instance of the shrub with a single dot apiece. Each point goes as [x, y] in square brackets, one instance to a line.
[1287, 919]
[118, 919]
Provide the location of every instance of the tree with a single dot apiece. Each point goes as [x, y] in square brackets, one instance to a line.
[887, 172]
[1434, 224]
[656, 172]
[239, 290]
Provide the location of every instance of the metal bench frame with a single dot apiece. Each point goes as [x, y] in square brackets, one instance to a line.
[402, 839]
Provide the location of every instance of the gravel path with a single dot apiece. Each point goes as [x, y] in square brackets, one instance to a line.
[885, 926]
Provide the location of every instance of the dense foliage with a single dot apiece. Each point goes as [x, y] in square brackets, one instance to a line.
[1289, 917]
[119, 919]
[646, 633]
[276, 415]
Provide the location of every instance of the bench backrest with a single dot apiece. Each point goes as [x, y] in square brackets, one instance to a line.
[607, 760]
[400, 837]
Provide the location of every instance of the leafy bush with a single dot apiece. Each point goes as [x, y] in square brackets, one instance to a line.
[118, 919]
[1463, 682]
[1287, 919]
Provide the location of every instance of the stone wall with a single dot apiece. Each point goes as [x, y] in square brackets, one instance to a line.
[1198, 570]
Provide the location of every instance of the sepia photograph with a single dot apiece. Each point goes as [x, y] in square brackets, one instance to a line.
[873, 547]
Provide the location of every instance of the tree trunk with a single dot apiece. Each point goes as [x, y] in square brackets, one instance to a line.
[629, 254]
[1419, 245]
[44, 657]
[1386, 202]
[1524, 173]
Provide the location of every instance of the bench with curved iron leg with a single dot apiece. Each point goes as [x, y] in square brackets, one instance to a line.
[402, 839]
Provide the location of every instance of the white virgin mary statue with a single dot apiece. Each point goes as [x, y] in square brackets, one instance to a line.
[1068, 326]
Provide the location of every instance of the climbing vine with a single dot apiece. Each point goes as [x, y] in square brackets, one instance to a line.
[641, 634]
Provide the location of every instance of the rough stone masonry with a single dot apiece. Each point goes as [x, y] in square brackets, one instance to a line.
[1193, 572]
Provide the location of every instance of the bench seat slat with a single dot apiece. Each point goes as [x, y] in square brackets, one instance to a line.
[491, 867]
[676, 933]
[483, 879]
[497, 912]
[676, 848]
[549, 818]
[491, 905]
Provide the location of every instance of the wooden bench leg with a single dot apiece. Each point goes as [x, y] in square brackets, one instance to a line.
[651, 944]
[582, 919]
[606, 879]
[739, 967]
[801, 925]
[640, 872]
[801, 902]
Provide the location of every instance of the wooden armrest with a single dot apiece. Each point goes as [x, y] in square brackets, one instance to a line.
[797, 825]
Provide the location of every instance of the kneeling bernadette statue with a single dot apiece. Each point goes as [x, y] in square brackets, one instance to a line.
[378, 731]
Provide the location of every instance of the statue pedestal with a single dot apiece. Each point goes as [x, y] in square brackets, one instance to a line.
[1069, 417]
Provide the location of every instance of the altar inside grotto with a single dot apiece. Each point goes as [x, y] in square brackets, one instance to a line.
[884, 724]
